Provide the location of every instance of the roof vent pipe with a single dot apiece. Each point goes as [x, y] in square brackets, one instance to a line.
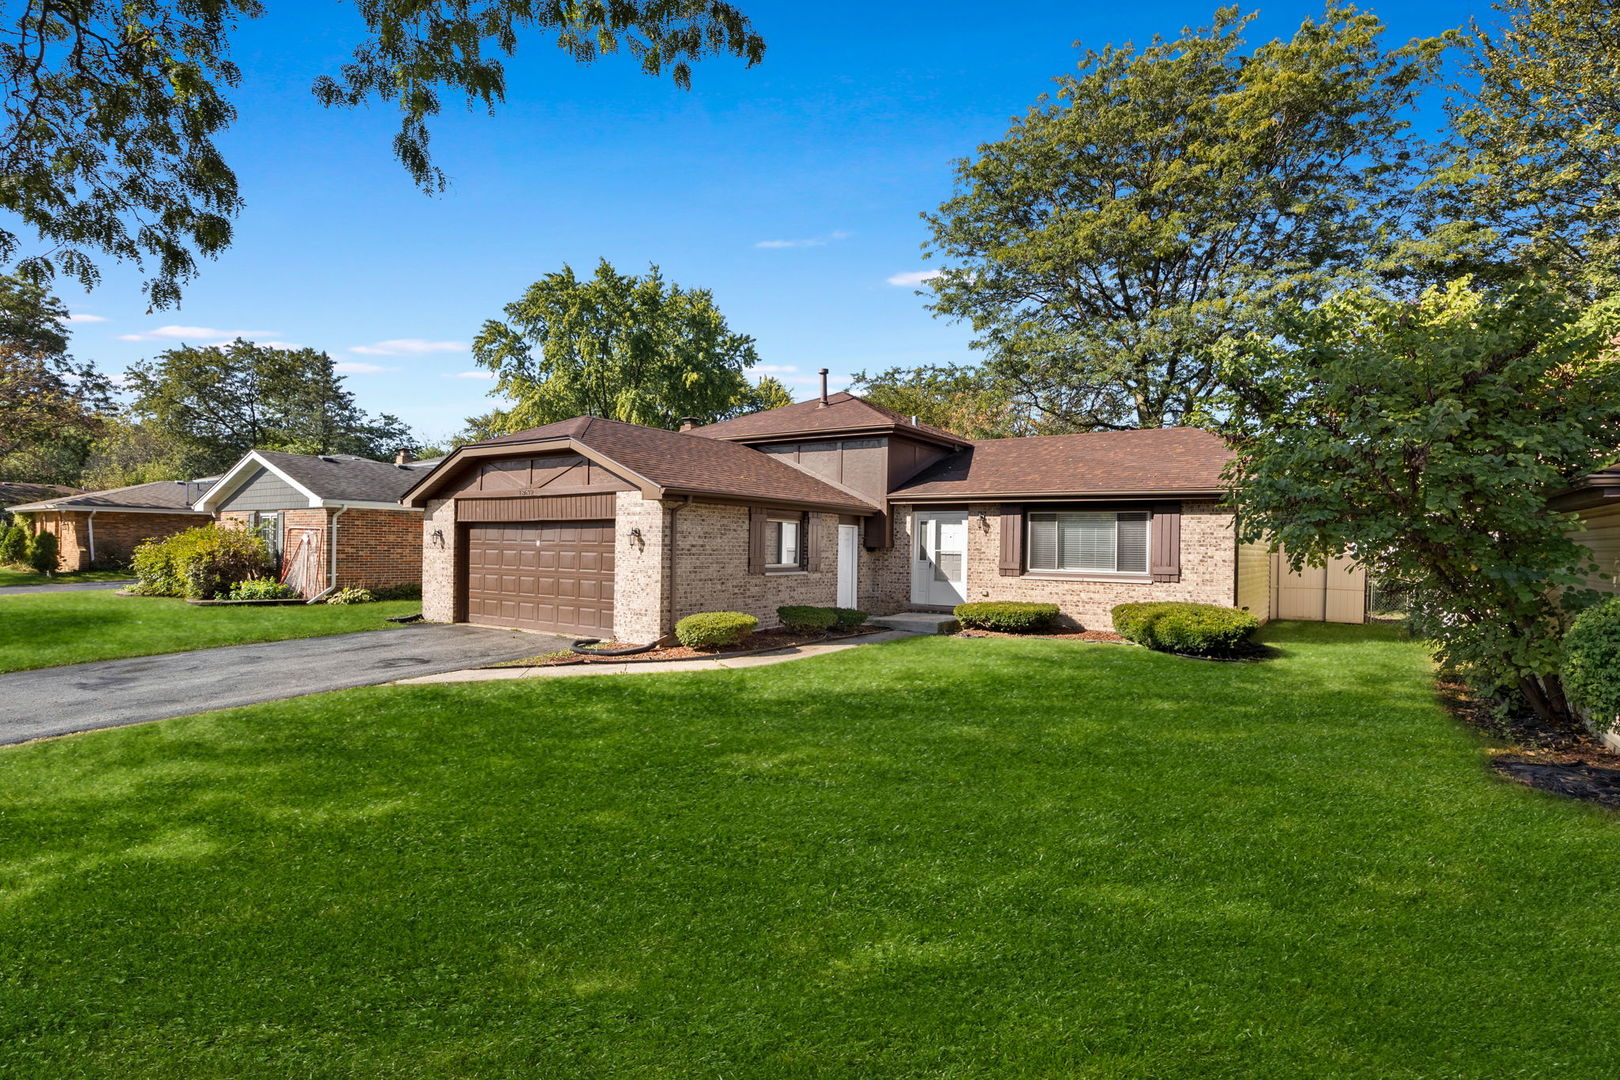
[823, 373]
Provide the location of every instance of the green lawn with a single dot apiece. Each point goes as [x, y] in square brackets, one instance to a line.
[46, 629]
[11, 575]
[933, 858]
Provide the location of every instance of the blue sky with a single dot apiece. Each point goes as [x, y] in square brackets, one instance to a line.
[792, 189]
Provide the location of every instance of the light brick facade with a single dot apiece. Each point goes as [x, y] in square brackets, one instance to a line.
[116, 534]
[441, 561]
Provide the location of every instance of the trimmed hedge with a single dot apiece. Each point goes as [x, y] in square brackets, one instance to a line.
[1195, 629]
[1592, 663]
[801, 618]
[713, 629]
[13, 545]
[848, 617]
[1007, 616]
[201, 563]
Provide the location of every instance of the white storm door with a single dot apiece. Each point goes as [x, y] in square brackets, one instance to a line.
[939, 558]
[849, 557]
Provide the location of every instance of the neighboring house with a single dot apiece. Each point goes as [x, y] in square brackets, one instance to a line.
[1595, 499]
[593, 527]
[101, 528]
[330, 520]
[13, 493]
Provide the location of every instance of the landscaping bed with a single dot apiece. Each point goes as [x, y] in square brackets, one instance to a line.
[758, 642]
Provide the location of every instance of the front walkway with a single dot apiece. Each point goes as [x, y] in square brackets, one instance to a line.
[111, 693]
[653, 667]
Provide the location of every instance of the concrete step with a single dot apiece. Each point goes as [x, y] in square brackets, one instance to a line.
[918, 622]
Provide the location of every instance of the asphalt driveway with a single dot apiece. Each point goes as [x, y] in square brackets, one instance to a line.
[111, 693]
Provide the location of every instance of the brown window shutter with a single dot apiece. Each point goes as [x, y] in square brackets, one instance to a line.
[812, 542]
[756, 540]
[877, 536]
[1012, 540]
[1165, 563]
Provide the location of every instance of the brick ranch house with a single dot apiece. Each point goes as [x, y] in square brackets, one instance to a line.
[330, 520]
[101, 528]
[592, 527]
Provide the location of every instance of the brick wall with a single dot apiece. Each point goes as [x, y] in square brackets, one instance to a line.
[116, 535]
[439, 560]
[1208, 570]
[378, 548]
[641, 567]
[712, 574]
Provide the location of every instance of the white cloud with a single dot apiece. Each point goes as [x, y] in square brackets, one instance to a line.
[808, 241]
[195, 333]
[773, 369]
[354, 367]
[407, 347]
[472, 375]
[85, 318]
[914, 277]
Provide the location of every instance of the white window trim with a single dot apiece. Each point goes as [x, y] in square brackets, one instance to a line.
[1055, 574]
[798, 521]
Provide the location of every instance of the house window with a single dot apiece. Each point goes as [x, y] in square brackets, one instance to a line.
[784, 546]
[1094, 542]
[268, 526]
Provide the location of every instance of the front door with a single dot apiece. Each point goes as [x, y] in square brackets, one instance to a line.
[849, 558]
[939, 558]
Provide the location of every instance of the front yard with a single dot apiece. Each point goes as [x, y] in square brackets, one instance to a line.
[13, 575]
[933, 858]
[48, 629]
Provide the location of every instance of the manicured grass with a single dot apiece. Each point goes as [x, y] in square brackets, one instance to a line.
[932, 858]
[48, 629]
[11, 575]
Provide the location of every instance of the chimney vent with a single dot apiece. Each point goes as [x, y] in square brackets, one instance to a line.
[688, 423]
[823, 373]
[403, 456]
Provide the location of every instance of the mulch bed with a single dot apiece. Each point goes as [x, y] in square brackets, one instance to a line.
[757, 642]
[1564, 762]
[1078, 635]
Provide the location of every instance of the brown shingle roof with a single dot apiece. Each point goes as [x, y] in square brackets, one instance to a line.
[843, 412]
[171, 495]
[344, 477]
[681, 463]
[1151, 461]
[12, 492]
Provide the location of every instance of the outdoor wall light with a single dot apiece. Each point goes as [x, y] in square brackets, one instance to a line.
[984, 521]
[438, 538]
[637, 539]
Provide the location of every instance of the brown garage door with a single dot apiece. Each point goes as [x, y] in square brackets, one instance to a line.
[555, 576]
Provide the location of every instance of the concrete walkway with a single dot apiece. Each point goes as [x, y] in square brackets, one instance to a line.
[653, 667]
[111, 693]
[70, 586]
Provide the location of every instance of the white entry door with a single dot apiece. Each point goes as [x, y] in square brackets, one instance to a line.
[849, 560]
[939, 558]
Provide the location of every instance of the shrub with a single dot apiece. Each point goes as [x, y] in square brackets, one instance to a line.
[1195, 629]
[1007, 616]
[262, 589]
[712, 629]
[848, 616]
[13, 546]
[201, 563]
[801, 618]
[1591, 666]
[42, 552]
[351, 595]
[395, 592]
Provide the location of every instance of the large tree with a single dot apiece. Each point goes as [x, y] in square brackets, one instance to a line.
[1533, 178]
[1167, 199]
[969, 401]
[1423, 438]
[112, 107]
[622, 347]
[46, 396]
[219, 402]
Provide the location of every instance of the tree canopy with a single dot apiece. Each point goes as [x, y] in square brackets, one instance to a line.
[1423, 438]
[622, 347]
[1532, 179]
[112, 108]
[965, 400]
[1167, 199]
[46, 396]
[218, 402]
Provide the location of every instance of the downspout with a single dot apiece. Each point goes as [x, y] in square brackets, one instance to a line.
[331, 543]
[90, 530]
[673, 560]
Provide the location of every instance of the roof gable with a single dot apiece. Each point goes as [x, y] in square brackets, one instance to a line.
[320, 479]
